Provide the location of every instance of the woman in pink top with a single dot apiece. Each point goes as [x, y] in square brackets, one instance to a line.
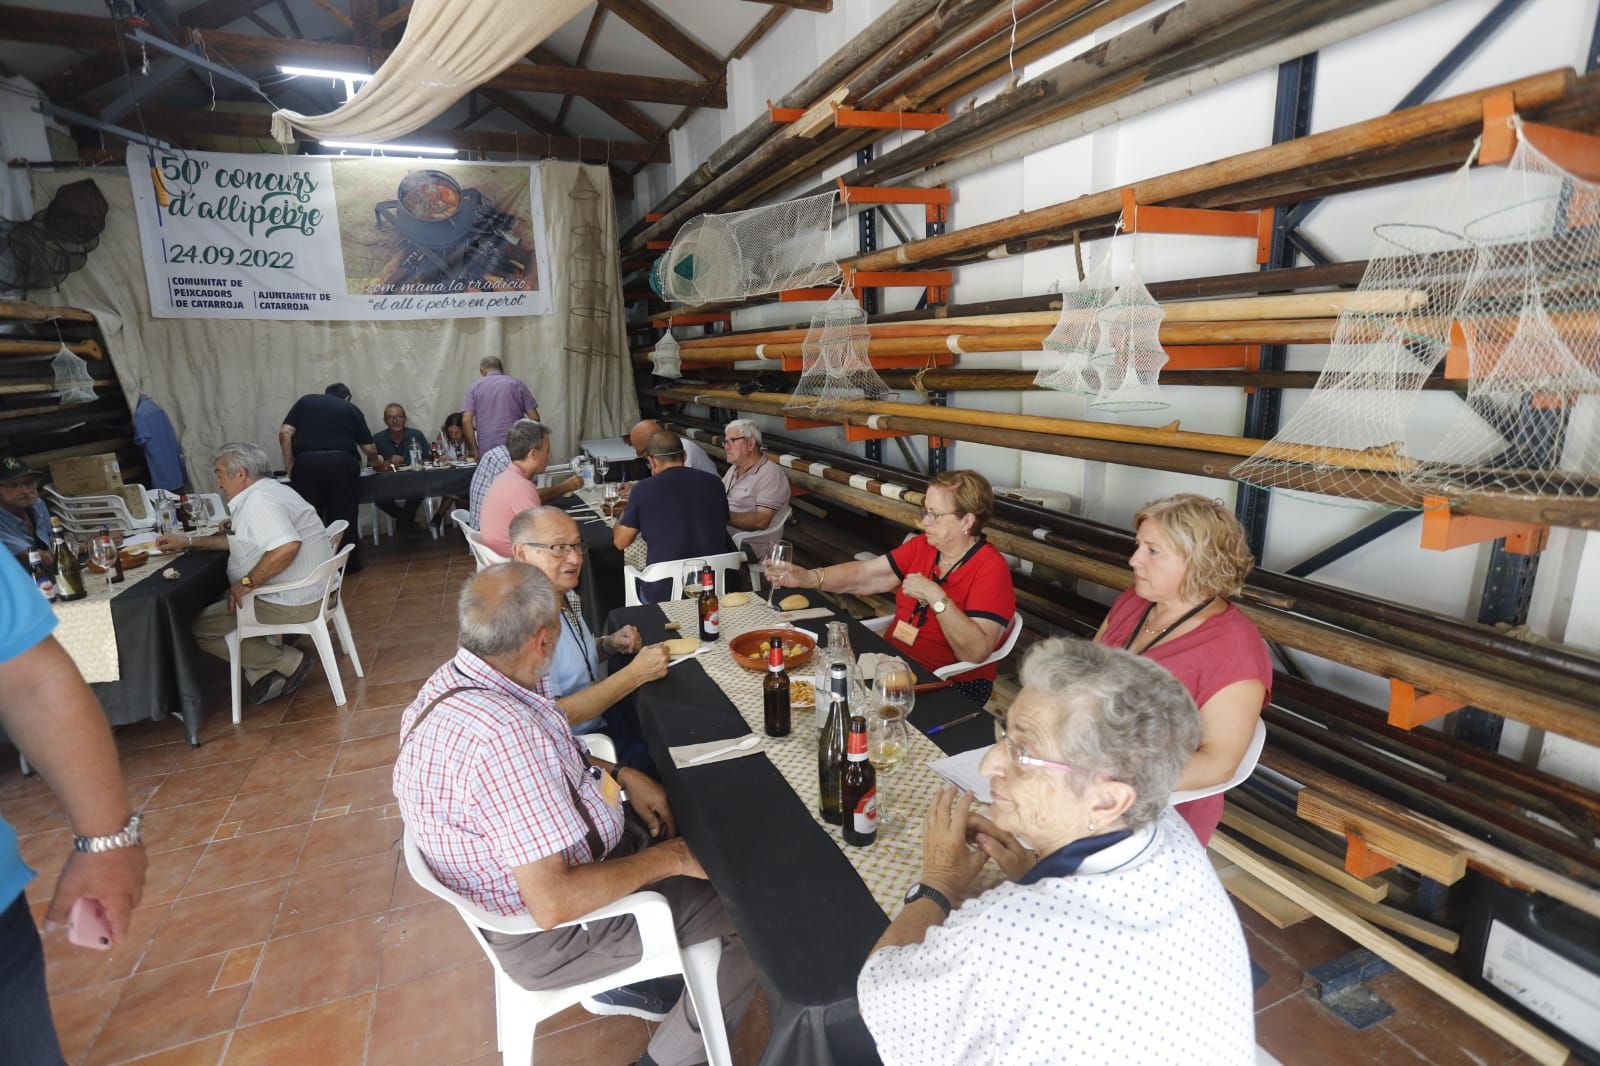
[1191, 556]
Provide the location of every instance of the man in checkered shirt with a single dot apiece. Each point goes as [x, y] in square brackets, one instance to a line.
[509, 812]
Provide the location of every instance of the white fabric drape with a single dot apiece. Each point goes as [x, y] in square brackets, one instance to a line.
[226, 380]
[449, 48]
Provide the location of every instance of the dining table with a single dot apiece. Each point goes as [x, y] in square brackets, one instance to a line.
[807, 907]
[448, 480]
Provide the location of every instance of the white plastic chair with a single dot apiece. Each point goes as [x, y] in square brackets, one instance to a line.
[328, 576]
[1246, 767]
[485, 555]
[336, 530]
[632, 576]
[1008, 641]
[518, 1011]
[775, 526]
[86, 514]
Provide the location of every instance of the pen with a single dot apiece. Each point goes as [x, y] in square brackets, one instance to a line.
[954, 722]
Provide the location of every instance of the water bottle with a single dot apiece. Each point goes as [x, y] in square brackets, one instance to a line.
[414, 454]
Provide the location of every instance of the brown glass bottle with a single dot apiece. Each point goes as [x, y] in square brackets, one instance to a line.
[775, 692]
[710, 619]
[858, 788]
[831, 743]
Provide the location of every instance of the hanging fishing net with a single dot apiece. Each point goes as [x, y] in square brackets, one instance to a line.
[1128, 354]
[72, 377]
[746, 253]
[1358, 420]
[588, 292]
[667, 358]
[835, 365]
[1530, 321]
[1076, 334]
[37, 253]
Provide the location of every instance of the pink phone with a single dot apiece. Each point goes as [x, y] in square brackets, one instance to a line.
[87, 926]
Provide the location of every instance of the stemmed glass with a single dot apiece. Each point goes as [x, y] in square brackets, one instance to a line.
[691, 577]
[610, 493]
[104, 555]
[780, 554]
[886, 750]
[601, 469]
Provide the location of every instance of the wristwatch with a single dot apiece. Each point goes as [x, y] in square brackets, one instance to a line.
[246, 582]
[944, 601]
[922, 891]
[130, 836]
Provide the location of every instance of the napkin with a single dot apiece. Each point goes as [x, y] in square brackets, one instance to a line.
[962, 771]
[808, 612]
[685, 752]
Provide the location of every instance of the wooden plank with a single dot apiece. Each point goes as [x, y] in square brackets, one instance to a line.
[25, 390]
[669, 35]
[1528, 1038]
[85, 349]
[1424, 854]
[1271, 905]
[28, 311]
[1371, 890]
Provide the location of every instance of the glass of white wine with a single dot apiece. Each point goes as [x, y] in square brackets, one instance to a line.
[886, 750]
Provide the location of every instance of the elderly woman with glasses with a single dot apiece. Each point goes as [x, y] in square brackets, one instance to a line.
[1191, 556]
[1111, 940]
[953, 592]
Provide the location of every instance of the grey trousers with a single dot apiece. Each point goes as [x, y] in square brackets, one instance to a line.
[574, 954]
[258, 656]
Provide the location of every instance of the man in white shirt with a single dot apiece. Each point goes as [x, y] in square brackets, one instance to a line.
[277, 539]
[694, 456]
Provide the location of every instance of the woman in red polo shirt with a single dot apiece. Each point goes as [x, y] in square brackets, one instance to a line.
[953, 594]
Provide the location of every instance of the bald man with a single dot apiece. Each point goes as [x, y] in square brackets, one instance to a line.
[694, 456]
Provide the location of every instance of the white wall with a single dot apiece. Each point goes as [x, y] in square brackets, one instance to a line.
[1356, 80]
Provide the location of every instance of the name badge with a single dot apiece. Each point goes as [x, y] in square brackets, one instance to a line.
[610, 791]
[904, 632]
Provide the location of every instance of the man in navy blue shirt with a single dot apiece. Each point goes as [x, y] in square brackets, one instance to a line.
[682, 513]
[394, 443]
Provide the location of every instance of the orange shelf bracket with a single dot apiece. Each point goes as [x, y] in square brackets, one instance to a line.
[855, 432]
[891, 194]
[805, 423]
[801, 295]
[1212, 356]
[654, 216]
[1205, 222]
[1410, 707]
[853, 118]
[1577, 152]
[1361, 861]
[1443, 529]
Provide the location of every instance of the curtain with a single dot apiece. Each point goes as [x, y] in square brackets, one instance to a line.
[234, 379]
[449, 48]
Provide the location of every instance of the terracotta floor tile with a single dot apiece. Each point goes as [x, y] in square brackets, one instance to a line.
[394, 694]
[261, 811]
[327, 895]
[614, 1038]
[1302, 1032]
[351, 836]
[46, 853]
[404, 665]
[79, 1016]
[40, 813]
[259, 857]
[240, 966]
[359, 791]
[200, 1053]
[69, 968]
[168, 872]
[231, 743]
[204, 783]
[364, 754]
[333, 1033]
[426, 939]
[281, 769]
[162, 1009]
[1284, 976]
[182, 827]
[215, 922]
[308, 734]
[310, 969]
[157, 760]
[383, 721]
[1427, 1023]
[445, 1018]
[407, 893]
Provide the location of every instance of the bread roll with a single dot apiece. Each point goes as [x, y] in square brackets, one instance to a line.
[682, 646]
[795, 602]
[734, 599]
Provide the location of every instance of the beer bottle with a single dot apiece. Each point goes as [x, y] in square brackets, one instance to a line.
[185, 514]
[831, 743]
[775, 692]
[42, 575]
[710, 620]
[69, 576]
[858, 789]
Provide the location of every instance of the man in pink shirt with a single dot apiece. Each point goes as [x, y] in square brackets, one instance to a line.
[493, 403]
[513, 491]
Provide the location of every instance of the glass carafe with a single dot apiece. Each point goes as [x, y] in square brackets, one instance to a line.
[836, 649]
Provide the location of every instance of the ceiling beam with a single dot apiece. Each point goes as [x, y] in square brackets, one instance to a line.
[394, 18]
[666, 33]
[264, 24]
[629, 116]
[364, 27]
[288, 16]
[803, 5]
[584, 49]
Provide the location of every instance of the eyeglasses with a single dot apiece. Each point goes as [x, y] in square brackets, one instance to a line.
[554, 549]
[733, 440]
[929, 516]
[1020, 757]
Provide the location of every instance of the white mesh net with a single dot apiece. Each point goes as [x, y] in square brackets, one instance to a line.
[1076, 334]
[667, 359]
[1128, 353]
[589, 306]
[72, 377]
[745, 253]
[835, 364]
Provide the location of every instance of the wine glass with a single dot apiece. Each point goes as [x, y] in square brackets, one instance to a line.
[887, 741]
[609, 494]
[780, 554]
[691, 577]
[893, 684]
[104, 555]
[602, 467]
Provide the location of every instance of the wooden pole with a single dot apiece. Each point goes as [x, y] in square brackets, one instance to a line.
[85, 349]
[28, 311]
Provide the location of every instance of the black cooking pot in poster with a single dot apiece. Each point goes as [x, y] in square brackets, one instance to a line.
[432, 209]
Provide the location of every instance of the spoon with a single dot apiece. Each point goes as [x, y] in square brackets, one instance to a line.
[748, 742]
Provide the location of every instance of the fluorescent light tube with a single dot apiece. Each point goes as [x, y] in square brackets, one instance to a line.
[314, 72]
[419, 149]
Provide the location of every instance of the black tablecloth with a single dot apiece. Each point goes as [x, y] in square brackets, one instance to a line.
[417, 484]
[159, 660]
[805, 916]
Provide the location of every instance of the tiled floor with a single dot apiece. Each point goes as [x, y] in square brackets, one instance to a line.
[279, 926]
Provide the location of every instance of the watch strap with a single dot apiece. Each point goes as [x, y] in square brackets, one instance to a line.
[129, 836]
[922, 891]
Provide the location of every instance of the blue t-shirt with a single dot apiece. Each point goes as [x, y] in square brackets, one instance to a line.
[681, 514]
[152, 430]
[25, 620]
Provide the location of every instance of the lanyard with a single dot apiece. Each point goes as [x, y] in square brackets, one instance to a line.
[577, 635]
[1163, 634]
[919, 615]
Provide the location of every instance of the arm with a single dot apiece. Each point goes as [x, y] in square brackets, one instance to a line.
[1227, 722]
[372, 455]
[177, 542]
[859, 576]
[572, 484]
[58, 724]
[532, 413]
[622, 536]
[973, 639]
[592, 702]
[270, 565]
[469, 428]
[286, 445]
[555, 892]
[758, 519]
[949, 865]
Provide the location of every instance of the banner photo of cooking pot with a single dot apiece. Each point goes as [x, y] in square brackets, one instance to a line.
[334, 237]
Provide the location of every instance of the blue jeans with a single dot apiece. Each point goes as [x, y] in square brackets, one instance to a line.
[27, 1032]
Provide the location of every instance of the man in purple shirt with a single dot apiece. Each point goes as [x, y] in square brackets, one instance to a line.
[495, 401]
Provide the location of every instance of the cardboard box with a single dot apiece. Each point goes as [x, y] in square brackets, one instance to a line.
[88, 475]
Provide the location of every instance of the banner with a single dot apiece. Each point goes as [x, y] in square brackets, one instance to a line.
[335, 237]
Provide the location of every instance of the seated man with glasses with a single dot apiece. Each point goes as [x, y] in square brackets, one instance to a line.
[1112, 940]
[547, 538]
[757, 489]
[681, 512]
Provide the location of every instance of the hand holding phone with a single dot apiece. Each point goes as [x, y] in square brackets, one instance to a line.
[87, 926]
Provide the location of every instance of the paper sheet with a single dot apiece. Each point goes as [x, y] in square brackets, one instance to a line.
[962, 771]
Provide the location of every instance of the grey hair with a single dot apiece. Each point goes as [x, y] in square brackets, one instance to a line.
[1120, 713]
[491, 362]
[747, 425]
[524, 436]
[524, 525]
[242, 457]
[503, 606]
[664, 444]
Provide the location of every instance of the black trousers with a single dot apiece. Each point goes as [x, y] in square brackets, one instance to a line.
[331, 483]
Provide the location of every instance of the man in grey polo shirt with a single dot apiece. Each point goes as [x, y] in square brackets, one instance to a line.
[757, 489]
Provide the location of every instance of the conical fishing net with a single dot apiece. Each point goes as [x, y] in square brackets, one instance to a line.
[1530, 319]
[746, 253]
[667, 359]
[1357, 420]
[835, 365]
[37, 253]
[72, 377]
[1076, 334]
[589, 294]
[1128, 354]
